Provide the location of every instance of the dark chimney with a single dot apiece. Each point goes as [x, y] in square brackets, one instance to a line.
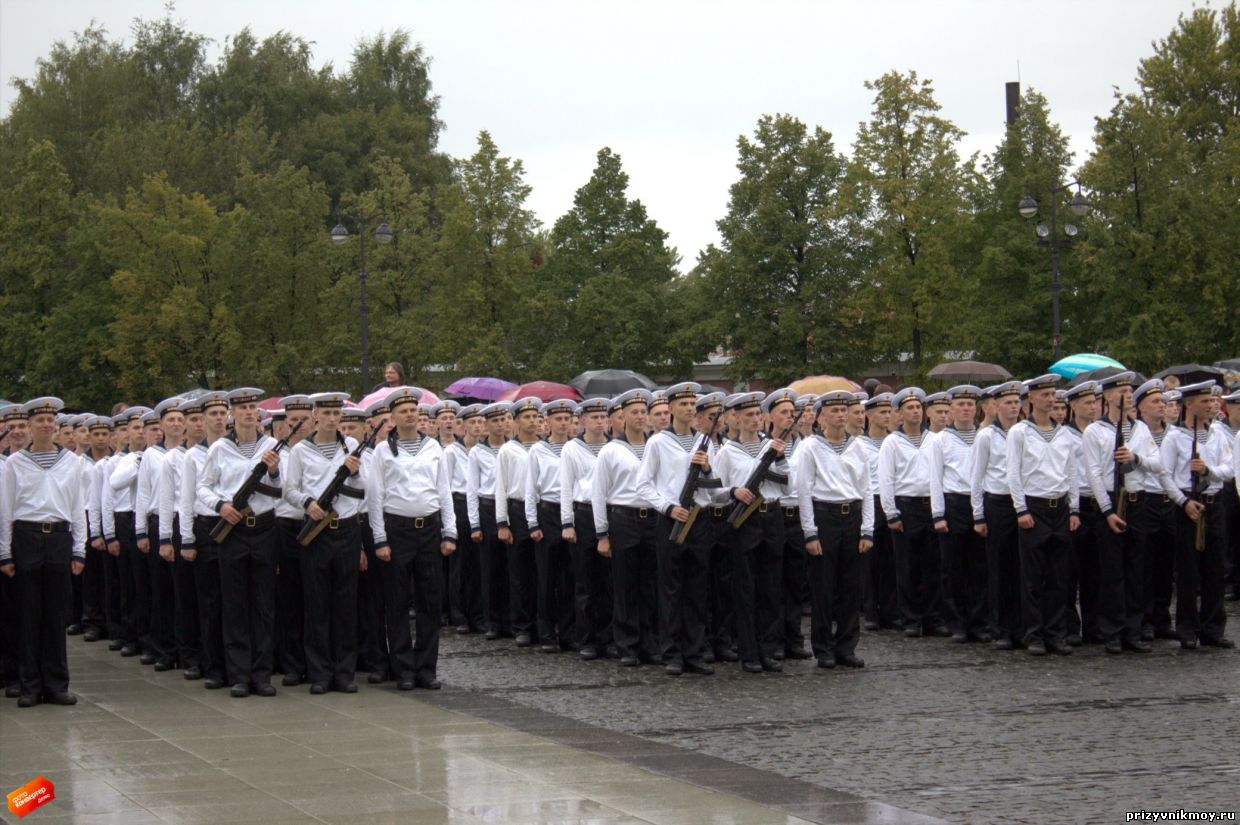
[1013, 102]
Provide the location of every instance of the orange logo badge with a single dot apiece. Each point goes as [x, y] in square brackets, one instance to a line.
[33, 795]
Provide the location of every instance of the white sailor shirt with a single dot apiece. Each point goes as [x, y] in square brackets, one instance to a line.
[311, 468]
[577, 460]
[951, 467]
[1041, 463]
[480, 479]
[542, 479]
[30, 491]
[616, 473]
[409, 479]
[665, 467]
[833, 473]
[227, 468]
[903, 469]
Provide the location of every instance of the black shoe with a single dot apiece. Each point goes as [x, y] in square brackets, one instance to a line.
[405, 683]
[751, 667]
[870, 624]
[463, 630]
[291, 680]
[726, 654]
[778, 655]
[1161, 633]
[376, 677]
[213, 684]
[1074, 640]
[1059, 648]
[673, 668]
[912, 632]
[28, 700]
[115, 645]
[491, 635]
[1147, 633]
[798, 653]
[550, 647]
[129, 650]
[12, 691]
[163, 667]
[428, 684]
[1220, 642]
[960, 637]
[611, 652]
[147, 659]
[1138, 646]
[850, 660]
[772, 666]
[193, 673]
[91, 635]
[265, 689]
[73, 630]
[1036, 648]
[709, 657]
[1113, 646]
[629, 661]
[826, 664]
[239, 691]
[65, 698]
[700, 668]
[524, 640]
[983, 636]
[344, 687]
[588, 653]
[318, 688]
[1004, 644]
[1188, 644]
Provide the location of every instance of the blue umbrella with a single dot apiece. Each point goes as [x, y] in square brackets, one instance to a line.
[1074, 365]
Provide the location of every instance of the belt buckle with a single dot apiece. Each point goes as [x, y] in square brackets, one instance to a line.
[334, 524]
[790, 512]
[1132, 497]
[251, 521]
[717, 512]
[845, 508]
[1207, 498]
[419, 522]
[643, 512]
[45, 527]
[763, 507]
[1052, 503]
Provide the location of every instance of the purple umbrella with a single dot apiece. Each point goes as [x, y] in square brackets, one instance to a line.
[488, 389]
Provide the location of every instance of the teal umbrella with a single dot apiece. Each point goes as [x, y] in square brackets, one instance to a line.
[1074, 365]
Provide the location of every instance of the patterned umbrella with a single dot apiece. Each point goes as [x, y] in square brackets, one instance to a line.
[818, 384]
[543, 391]
[484, 388]
[428, 397]
[1074, 365]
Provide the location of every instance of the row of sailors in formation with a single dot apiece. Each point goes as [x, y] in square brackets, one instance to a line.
[563, 515]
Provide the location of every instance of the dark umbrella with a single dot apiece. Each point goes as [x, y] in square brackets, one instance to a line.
[1192, 373]
[1232, 364]
[1104, 372]
[969, 371]
[543, 391]
[610, 382]
[1231, 372]
[484, 389]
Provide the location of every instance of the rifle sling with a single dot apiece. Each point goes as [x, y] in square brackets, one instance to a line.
[267, 490]
[351, 492]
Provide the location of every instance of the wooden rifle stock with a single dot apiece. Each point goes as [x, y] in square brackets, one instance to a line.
[1195, 490]
[680, 530]
[1121, 496]
[743, 511]
[241, 499]
[312, 527]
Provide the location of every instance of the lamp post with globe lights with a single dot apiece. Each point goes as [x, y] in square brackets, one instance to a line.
[1048, 235]
[383, 234]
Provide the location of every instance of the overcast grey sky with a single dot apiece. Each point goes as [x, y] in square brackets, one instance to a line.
[670, 85]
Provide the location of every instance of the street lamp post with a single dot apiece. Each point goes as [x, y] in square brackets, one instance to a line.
[1049, 236]
[383, 234]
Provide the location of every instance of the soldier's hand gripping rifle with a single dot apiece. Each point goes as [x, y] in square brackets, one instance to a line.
[241, 498]
[312, 527]
[761, 473]
[1199, 481]
[680, 529]
[1121, 496]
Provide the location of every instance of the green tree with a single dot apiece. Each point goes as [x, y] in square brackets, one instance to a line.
[908, 192]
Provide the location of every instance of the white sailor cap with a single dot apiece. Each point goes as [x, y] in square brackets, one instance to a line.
[1154, 385]
[1234, 398]
[527, 404]
[1008, 388]
[908, 394]
[168, 405]
[150, 418]
[424, 408]
[778, 397]
[402, 395]
[215, 398]
[685, 389]
[560, 405]
[445, 406]
[278, 414]
[352, 412]
[745, 400]
[963, 392]
[1194, 390]
[1172, 396]
[1217, 390]
[634, 396]
[1042, 382]
[118, 420]
[658, 397]
[135, 413]
[882, 399]
[470, 411]
[292, 403]
[598, 404]
[378, 408]
[496, 410]
[859, 397]
[12, 412]
[62, 419]
[244, 395]
[1119, 379]
[100, 422]
[937, 398]
[329, 400]
[709, 400]
[1082, 389]
[834, 398]
[191, 406]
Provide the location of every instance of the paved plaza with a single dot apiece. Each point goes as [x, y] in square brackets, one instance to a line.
[928, 731]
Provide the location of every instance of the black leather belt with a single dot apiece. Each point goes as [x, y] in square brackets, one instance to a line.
[338, 522]
[44, 527]
[717, 512]
[416, 522]
[793, 512]
[1049, 503]
[839, 508]
[635, 512]
[256, 522]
